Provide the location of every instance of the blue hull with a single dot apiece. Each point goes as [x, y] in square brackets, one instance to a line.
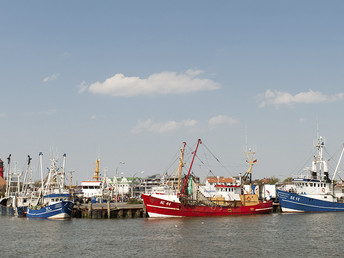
[292, 202]
[60, 210]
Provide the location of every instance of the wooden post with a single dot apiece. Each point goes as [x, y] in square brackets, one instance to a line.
[108, 208]
[144, 211]
[90, 210]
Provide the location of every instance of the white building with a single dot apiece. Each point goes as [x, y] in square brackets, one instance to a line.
[122, 186]
[91, 188]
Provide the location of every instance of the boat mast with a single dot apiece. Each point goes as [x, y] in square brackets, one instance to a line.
[25, 179]
[323, 167]
[248, 174]
[340, 159]
[96, 172]
[193, 158]
[62, 177]
[181, 164]
[8, 174]
[41, 165]
[250, 160]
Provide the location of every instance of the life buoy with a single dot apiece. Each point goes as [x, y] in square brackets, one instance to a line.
[323, 190]
[248, 198]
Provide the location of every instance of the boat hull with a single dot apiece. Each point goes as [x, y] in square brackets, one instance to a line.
[60, 210]
[160, 207]
[292, 202]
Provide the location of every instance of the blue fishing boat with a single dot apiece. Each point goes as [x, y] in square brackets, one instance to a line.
[54, 200]
[313, 192]
[56, 206]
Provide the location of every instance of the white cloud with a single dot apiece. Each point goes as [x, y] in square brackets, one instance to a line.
[159, 83]
[164, 127]
[278, 98]
[82, 87]
[221, 119]
[50, 78]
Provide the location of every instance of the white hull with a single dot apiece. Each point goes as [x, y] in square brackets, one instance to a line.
[286, 210]
[157, 215]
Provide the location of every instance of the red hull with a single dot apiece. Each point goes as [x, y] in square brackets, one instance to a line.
[159, 207]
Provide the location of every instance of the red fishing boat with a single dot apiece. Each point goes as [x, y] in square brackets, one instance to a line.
[190, 200]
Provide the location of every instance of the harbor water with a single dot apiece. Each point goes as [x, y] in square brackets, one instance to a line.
[272, 235]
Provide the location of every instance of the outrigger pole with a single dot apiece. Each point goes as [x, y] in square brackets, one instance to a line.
[193, 158]
[181, 164]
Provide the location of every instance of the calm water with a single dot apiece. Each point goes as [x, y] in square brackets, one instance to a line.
[275, 235]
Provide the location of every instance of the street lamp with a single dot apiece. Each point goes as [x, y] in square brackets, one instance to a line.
[120, 163]
[132, 183]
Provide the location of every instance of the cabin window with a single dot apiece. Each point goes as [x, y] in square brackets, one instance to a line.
[318, 185]
[310, 184]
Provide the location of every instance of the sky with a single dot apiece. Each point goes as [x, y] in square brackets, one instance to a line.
[129, 81]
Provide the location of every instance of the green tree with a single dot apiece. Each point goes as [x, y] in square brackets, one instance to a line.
[287, 180]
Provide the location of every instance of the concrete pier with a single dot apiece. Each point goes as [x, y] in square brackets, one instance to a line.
[109, 211]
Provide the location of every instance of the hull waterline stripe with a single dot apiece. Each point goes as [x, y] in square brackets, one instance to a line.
[309, 205]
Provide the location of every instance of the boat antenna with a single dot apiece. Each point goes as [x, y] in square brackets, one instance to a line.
[317, 119]
[246, 139]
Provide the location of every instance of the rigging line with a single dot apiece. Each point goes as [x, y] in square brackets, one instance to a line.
[172, 163]
[334, 154]
[212, 153]
[216, 158]
[209, 170]
[303, 163]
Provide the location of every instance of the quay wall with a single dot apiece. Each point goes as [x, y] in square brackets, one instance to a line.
[109, 211]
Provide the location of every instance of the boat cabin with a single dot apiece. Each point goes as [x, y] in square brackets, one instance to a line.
[91, 188]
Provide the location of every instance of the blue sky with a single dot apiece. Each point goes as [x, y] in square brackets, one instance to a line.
[129, 81]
